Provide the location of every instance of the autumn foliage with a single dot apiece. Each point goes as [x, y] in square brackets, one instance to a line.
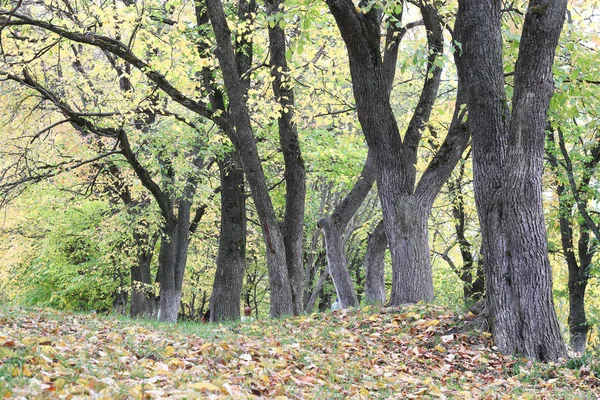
[412, 352]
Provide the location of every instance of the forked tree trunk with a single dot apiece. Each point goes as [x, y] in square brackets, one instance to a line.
[405, 207]
[338, 264]
[333, 227]
[507, 167]
[231, 261]
[241, 134]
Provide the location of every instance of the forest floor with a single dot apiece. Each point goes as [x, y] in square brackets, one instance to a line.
[412, 352]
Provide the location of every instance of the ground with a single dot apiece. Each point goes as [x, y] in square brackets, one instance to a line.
[418, 351]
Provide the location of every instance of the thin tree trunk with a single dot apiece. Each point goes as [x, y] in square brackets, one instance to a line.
[374, 266]
[295, 174]
[317, 290]
[334, 226]
[579, 272]
[338, 264]
[231, 260]
[143, 301]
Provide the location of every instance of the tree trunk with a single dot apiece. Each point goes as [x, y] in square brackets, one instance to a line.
[295, 174]
[579, 272]
[410, 243]
[241, 135]
[143, 300]
[405, 208]
[578, 325]
[374, 266]
[231, 260]
[172, 260]
[338, 265]
[507, 166]
[333, 227]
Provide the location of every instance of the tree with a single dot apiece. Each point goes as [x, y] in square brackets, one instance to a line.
[572, 225]
[405, 203]
[234, 121]
[231, 259]
[508, 150]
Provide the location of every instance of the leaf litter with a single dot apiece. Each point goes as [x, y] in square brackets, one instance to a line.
[413, 352]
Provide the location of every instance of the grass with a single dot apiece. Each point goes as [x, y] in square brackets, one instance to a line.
[420, 351]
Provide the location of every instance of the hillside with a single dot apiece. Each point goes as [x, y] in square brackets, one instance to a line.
[413, 352]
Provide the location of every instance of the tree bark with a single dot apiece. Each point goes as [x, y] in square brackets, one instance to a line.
[243, 139]
[143, 300]
[405, 207]
[295, 174]
[172, 260]
[231, 259]
[507, 163]
[374, 266]
[333, 228]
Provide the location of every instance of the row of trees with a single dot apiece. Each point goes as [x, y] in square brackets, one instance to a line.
[160, 93]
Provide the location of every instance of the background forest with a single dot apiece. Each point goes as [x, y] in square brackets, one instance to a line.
[144, 167]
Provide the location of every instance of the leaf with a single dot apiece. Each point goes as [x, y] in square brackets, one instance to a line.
[205, 386]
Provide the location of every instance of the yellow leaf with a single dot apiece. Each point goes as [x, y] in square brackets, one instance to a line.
[433, 322]
[26, 371]
[205, 386]
[44, 341]
[169, 351]
[440, 349]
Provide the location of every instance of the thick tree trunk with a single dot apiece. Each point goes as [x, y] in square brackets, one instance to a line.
[242, 137]
[507, 164]
[295, 174]
[410, 243]
[231, 260]
[374, 266]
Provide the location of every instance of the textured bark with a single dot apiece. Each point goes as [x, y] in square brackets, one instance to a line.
[316, 291]
[338, 265]
[507, 162]
[241, 135]
[231, 259]
[375, 267]
[295, 174]
[405, 207]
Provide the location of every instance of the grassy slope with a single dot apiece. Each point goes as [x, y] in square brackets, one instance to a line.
[415, 352]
